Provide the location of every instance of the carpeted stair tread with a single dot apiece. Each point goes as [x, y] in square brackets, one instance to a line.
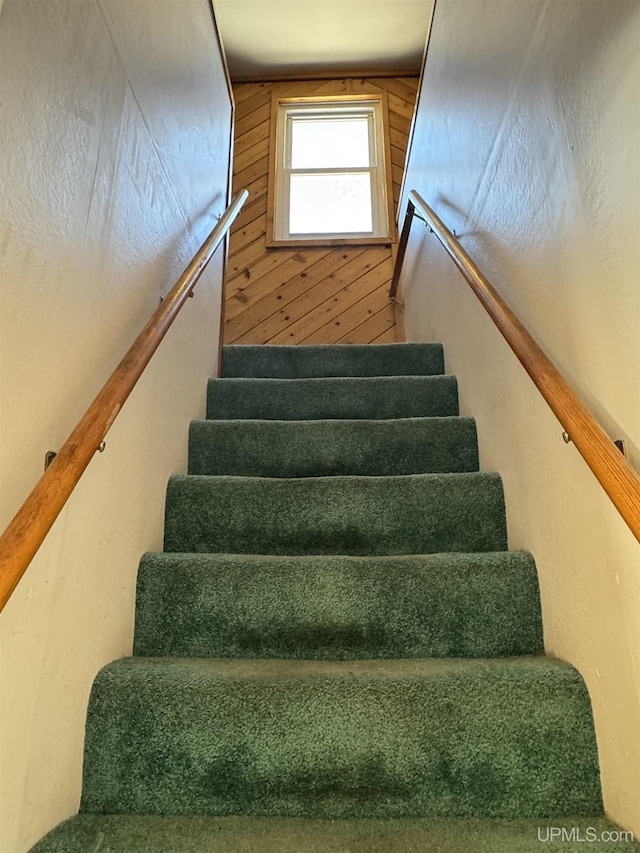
[89, 833]
[366, 397]
[336, 607]
[299, 362]
[412, 514]
[440, 737]
[270, 448]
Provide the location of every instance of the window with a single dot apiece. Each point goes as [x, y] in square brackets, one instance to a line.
[328, 177]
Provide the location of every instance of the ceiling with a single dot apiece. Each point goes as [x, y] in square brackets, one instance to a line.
[281, 37]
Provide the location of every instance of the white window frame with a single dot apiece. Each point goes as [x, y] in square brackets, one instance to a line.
[374, 107]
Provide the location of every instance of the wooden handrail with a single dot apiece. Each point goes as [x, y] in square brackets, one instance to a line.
[619, 480]
[24, 535]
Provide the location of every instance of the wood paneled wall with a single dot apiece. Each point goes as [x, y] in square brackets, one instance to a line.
[307, 295]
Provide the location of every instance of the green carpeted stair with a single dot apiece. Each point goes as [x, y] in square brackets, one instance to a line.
[259, 448]
[317, 398]
[340, 739]
[414, 514]
[300, 362]
[336, 652]
[336, 607]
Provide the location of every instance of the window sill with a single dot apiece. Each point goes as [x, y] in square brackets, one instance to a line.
[312, 242]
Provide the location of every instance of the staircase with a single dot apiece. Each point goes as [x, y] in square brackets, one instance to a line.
[336, 651]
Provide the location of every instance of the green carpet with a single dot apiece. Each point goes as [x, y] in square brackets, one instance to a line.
[133, 834]
[337, 608]
[367, 397]
[340, 739]
[300, 362]
[336, 651]
[414, 514]
[254, 448]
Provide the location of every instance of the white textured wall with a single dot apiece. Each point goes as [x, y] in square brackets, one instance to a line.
[527, 143]
[115, 139]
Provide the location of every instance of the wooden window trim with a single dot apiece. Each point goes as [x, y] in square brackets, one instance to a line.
[271, 241]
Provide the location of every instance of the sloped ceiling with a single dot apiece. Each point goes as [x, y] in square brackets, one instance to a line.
[275, 37]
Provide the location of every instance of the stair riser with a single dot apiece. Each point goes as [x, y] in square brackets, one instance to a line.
[338, 608]
[314, 399]
[418, 514]
[164, 738]
[295, 362]
[329, 448]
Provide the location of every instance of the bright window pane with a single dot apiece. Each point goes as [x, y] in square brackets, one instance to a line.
[330, 204]
[329, 143]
